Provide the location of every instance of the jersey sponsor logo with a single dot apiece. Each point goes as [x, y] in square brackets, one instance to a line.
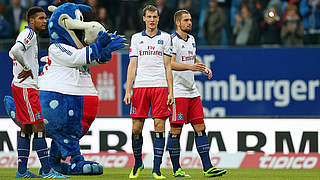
[180, 116]
[187, 58]
[151, 51]
[182, 46]
[160, 41]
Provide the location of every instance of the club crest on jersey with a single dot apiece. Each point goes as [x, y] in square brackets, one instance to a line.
[193, 45]
[180, 116]
[141, 42]
[133, 110]
[26, 40]
[38, 116]
[160, 41]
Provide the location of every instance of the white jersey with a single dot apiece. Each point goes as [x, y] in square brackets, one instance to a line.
[183, 81]
[66, 72]
[28, 39]
[150, 52]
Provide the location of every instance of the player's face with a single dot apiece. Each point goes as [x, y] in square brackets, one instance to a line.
[151, 19]
[185, 23]
[40, 22]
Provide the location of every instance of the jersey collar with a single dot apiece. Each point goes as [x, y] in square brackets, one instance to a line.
[181, 37]
[27, 27]
[145, 34]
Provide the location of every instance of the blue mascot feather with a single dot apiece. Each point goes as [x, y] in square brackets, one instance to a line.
[67, 95]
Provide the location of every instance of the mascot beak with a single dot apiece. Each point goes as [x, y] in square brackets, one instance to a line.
[91, 29]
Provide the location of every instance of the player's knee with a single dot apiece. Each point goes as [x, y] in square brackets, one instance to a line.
[199, 127]
[175, 130]
[136, 129]
[159, 127]
[38, 127]
[26, 128]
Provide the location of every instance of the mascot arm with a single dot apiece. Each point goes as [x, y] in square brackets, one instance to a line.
[69, 56]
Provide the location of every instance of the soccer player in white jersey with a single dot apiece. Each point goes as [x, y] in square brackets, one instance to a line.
[187, 107]
[150, 70]
[26, 96]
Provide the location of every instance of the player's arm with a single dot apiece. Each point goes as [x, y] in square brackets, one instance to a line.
[167, 65]
[18, 51]
[182, 67]
[207, 71]
[131, 74]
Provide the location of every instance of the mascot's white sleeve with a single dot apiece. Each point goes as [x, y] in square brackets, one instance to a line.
[69, 56]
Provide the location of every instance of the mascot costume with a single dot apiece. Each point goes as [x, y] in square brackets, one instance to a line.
[67, 94]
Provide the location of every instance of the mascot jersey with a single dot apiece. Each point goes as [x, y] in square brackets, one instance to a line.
[64, 72]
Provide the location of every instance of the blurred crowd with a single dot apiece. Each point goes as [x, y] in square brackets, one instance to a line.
[215, 22]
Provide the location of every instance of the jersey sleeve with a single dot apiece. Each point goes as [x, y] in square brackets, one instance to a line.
[133, 47]
[69, 56]
[167, 47]
[27, 37]
[194, 45]
[174, 43]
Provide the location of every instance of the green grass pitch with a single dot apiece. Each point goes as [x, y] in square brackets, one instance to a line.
[232, 174]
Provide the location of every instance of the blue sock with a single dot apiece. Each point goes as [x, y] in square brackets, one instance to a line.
[203, 148]
[40, 145]
[23, 148]
[158, 148]
[137, 141]
[174, 150]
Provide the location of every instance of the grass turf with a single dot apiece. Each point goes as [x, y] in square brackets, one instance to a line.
[232, 174]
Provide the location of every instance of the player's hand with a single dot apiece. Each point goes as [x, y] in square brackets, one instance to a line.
[127, 98]
[170, 100]
[24, 74]
[198, 67]
[208, 72]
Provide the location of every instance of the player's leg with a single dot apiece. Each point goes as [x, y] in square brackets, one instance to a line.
[160, 112]
[178, 118]
[137, 142]
[38, 129]
[203, 148]
[40, 145]
[158, 146]
[174, 149]
[23, 148]
[140, 105]
[196, 116]
[23, 140]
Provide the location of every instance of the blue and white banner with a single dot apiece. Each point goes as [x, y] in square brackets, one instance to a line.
[246, 82]
[256, 82]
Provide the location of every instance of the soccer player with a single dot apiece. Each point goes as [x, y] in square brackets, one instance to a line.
[150, 70]
[26, 96]
[187, 107]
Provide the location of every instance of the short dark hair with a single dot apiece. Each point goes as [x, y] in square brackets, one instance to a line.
[179, 13]
[151, 8]
[33, 11]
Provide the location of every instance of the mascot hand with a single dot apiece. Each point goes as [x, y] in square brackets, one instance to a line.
[116, 44]
[104, 39]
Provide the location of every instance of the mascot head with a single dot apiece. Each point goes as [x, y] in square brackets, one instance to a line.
[66, 25]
